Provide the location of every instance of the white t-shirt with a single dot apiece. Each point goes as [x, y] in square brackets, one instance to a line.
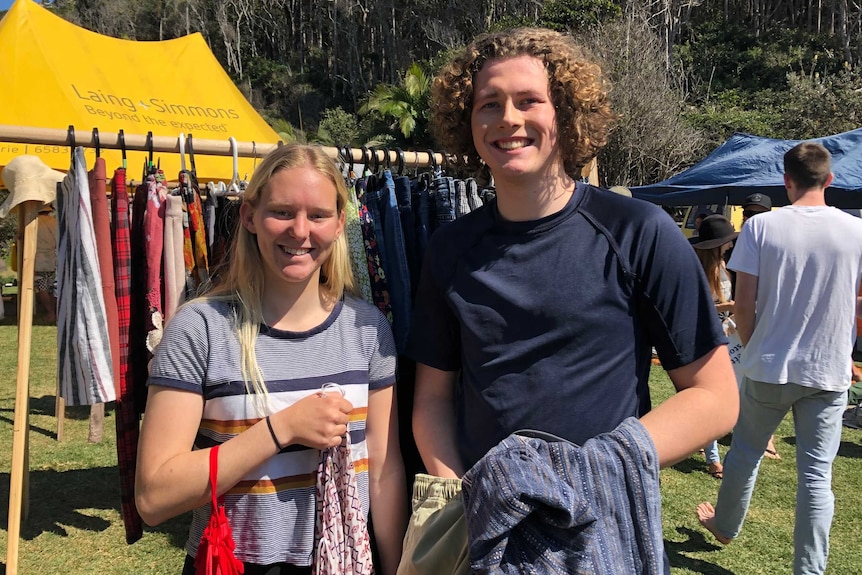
[808, 260]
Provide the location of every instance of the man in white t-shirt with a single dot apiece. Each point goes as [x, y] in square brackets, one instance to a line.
[798, 274]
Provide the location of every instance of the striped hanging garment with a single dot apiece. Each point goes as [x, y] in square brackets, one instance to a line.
[84, 364]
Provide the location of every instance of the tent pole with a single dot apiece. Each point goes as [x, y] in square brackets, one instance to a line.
[28, 222]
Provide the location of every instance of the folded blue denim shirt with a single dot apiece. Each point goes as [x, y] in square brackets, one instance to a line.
[541, 505]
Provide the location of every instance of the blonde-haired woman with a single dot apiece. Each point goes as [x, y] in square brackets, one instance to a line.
[241, 368]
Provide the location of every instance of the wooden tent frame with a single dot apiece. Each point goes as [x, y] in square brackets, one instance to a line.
[27, 232]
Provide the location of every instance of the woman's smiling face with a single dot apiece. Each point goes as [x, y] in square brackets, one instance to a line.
[296, 222]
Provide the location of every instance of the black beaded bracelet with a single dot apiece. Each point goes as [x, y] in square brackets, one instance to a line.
[272, 433]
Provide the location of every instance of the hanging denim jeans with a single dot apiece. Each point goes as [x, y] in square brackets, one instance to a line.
[443, 195]
[383, 206]
[422, 217]
[473, 194]
[462, 206]
[488, 195]
[405, 210]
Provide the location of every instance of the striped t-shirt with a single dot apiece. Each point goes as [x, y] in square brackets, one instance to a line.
[272, 509]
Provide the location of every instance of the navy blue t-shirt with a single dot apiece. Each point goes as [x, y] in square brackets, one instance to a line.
[551, 322]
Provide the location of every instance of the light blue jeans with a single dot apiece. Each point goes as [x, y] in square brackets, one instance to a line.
[817, 421]
[710, 452]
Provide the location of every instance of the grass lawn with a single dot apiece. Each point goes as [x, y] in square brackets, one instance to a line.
[75, 526]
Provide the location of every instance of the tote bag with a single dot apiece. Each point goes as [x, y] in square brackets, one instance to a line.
[734, 348]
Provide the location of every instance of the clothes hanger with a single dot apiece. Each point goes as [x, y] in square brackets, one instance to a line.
[365, 159]
[400, 154]
[415, 164]
[432, 160]
[387, 163]
[97, 143]
[182, 145]
[372, 159]
[340, 162]
[346, 155]
[121, 136]
[70, 134]
[234, 188]
[192, 156]
[429, 175]
[148, 163]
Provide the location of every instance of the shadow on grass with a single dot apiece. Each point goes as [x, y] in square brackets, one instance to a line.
[692, 464]
[61, 500]
[46, 405]
[696, 543]
[12, 319]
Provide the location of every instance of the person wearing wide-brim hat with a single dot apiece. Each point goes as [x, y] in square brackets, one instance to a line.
[28, 178]
[715, 237]
[714, 231]
[719, 234]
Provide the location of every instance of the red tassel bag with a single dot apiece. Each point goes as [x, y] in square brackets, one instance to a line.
[215, 551]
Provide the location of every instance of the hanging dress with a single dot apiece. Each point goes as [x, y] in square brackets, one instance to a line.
[84, 365]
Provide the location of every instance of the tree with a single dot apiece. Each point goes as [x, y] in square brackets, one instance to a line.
[562, 15]
[338, 128]
[406, 105]
[652, 141]
[816, 106]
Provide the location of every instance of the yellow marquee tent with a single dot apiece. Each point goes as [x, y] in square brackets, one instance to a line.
[54, 74]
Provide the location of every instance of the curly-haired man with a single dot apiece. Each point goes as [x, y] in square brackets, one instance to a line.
[540, 310]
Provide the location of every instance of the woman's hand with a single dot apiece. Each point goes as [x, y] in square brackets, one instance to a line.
[319, 421]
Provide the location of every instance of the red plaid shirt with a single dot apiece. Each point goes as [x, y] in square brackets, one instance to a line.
[126, 414]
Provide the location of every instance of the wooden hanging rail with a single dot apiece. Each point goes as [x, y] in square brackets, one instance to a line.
[171, 144]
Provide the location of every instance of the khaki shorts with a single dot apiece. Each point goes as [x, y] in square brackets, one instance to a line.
[436, 540]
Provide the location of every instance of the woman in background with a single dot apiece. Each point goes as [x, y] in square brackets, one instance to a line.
[715, 236]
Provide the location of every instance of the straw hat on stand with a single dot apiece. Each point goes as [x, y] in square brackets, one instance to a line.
[28, 178]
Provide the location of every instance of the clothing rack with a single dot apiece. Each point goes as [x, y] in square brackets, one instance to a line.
[28, 229]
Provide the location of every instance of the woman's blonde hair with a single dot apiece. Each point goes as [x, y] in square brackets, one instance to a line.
[579, 91]
[242, 283]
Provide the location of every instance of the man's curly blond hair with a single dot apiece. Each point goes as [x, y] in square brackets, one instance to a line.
[578, 89]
